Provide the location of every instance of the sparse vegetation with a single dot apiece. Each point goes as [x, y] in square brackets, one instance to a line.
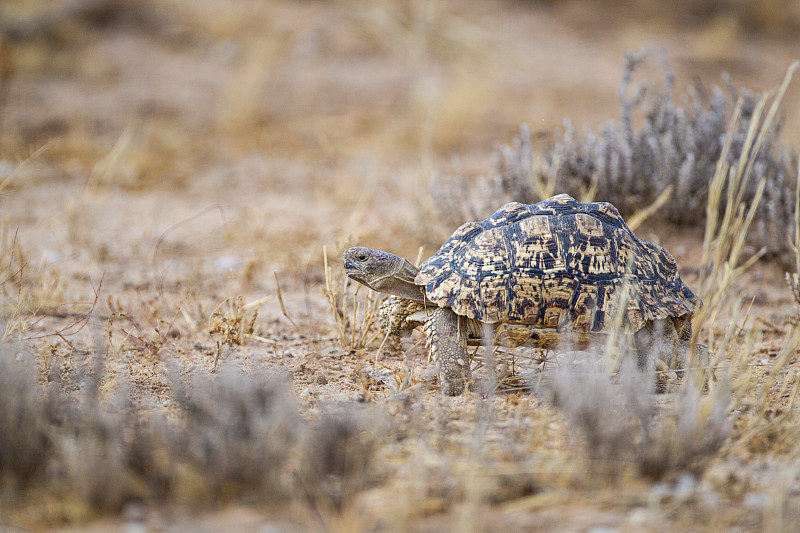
[356, 315]
[656, 145]
[626, 432]
[229, 436]
[160, 160]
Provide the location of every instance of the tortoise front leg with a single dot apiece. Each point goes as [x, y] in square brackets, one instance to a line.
[447, 342]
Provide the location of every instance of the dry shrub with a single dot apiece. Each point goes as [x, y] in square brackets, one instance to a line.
[236, 432]
[233, 326]
[339, 453]
[617, 417]
[80, 449]
[95, 442]
[142, 324]
[629, 162]
[24, 417]
[689, 435]
[624, 429]
[230, 436]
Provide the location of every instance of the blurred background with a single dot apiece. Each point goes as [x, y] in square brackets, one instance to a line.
[164, 164]
[305, 119]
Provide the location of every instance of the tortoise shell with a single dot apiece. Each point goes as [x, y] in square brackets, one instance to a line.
[556, 264]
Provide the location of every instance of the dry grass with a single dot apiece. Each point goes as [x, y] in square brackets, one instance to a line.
[355, 312]
[186, 389]
[27, 290]
[620, 424]
[228, 436]
[656, 145]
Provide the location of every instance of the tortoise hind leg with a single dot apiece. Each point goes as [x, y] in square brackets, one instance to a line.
[447, 342]
[702, 355]
[665, 344]
[660, 344]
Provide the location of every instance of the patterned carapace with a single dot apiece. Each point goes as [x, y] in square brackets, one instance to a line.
[556, 264]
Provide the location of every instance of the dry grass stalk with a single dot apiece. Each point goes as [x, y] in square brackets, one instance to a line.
[356, 316]
[793, 279]
[638, 218]
[283, 307]
[727, 227]
[26, 291]
[233, 326]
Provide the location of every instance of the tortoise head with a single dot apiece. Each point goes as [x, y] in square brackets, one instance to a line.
[383, 272]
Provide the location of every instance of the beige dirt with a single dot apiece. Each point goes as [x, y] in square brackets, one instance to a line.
[183, 157]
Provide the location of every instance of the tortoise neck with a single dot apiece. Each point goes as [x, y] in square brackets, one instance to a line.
[401, 283]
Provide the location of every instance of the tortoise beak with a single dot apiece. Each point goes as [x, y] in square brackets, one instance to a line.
[353, 270]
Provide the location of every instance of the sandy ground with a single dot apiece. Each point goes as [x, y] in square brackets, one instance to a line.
[189, 155]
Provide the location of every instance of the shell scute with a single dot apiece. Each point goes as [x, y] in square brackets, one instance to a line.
[555, 264]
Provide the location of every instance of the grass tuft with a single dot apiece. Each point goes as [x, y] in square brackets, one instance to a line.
[355, 312]
[625, 432]
[84, 443]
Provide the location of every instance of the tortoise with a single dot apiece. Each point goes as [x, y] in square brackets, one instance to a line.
[534, 274]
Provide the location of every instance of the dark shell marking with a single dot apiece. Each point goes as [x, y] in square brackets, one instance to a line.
[556, 264]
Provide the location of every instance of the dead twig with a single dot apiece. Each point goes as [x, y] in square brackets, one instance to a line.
[283, 307]
[80, 323]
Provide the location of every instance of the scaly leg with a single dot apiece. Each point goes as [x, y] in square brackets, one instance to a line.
[395, 313]
[665, 344]
[657, 344]
[447, 342]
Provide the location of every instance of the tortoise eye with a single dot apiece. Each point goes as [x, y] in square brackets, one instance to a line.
[362, 257]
